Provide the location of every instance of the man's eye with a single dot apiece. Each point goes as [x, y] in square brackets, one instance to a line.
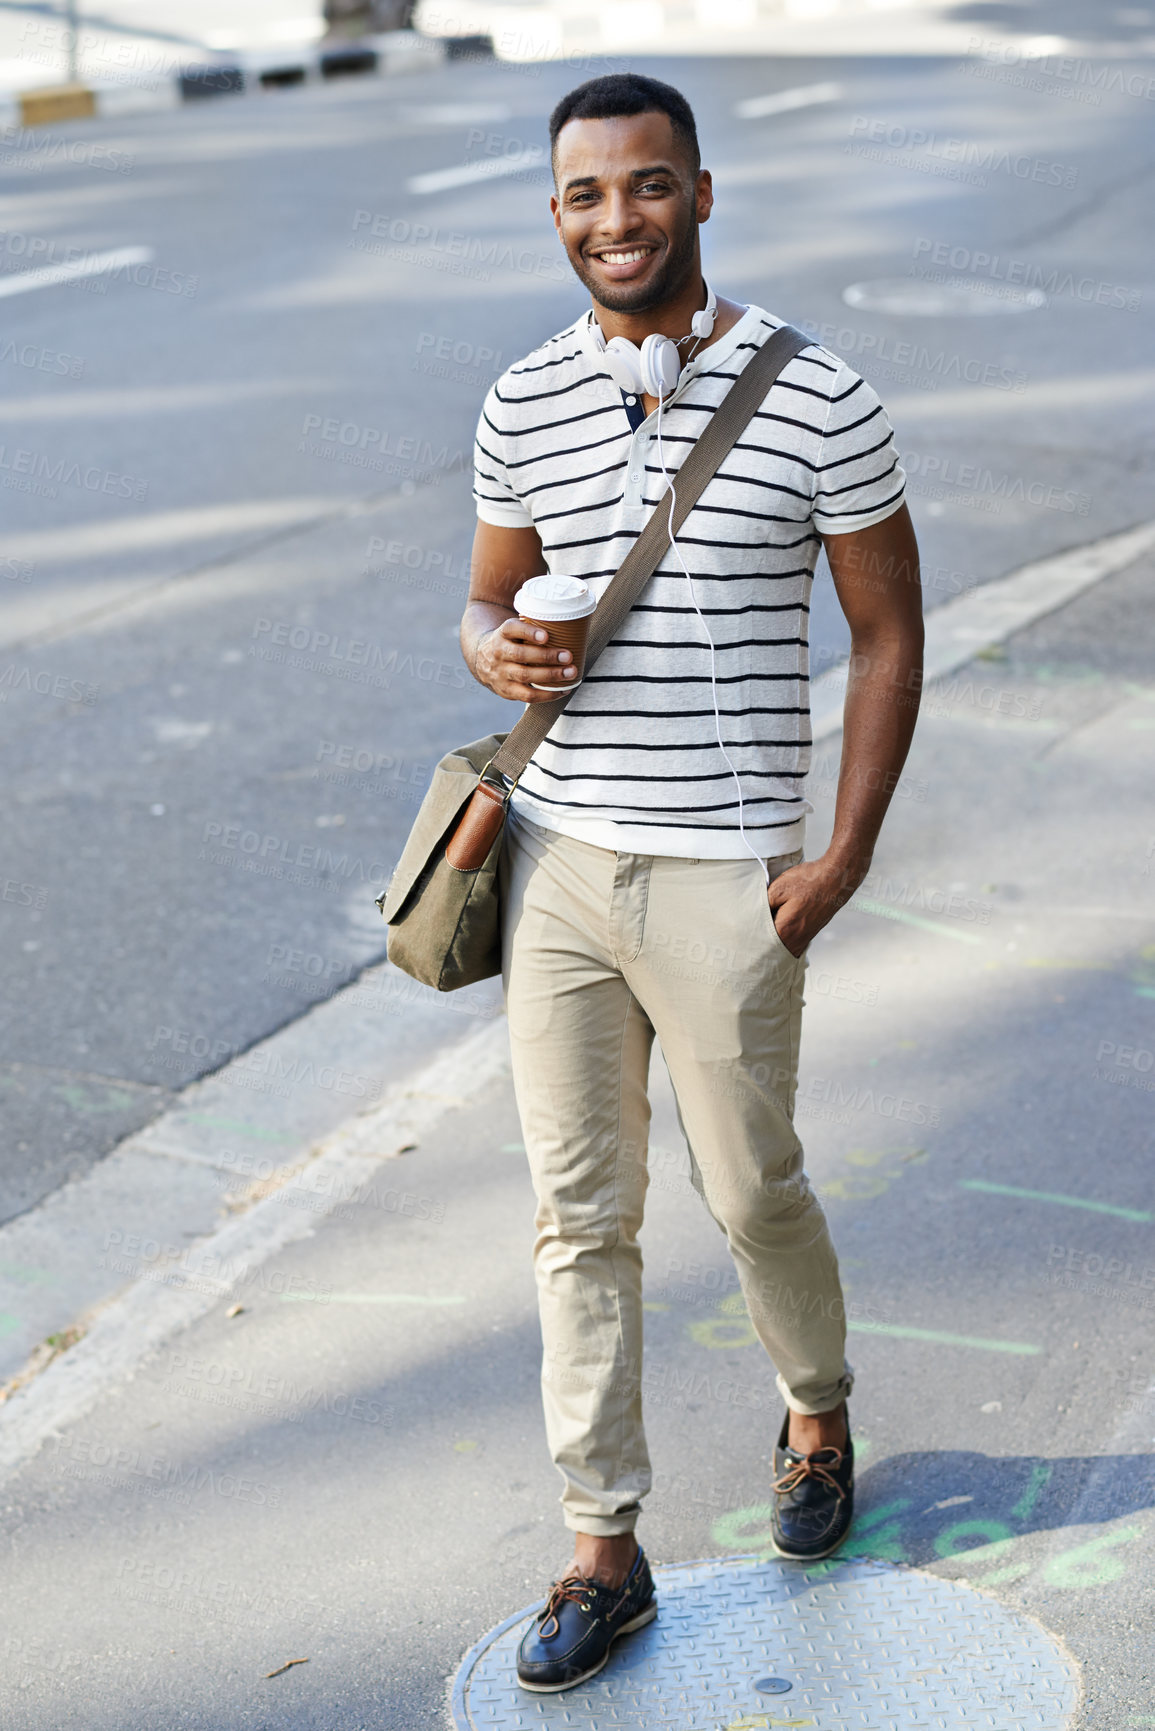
[658, 186]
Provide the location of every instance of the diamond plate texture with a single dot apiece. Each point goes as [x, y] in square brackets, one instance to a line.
[866, 1646]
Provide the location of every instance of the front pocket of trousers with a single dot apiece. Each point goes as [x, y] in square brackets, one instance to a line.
[776, 934]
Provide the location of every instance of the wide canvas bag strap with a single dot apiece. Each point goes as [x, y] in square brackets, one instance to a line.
[730, 420]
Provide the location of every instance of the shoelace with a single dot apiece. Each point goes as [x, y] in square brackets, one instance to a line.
[574, 1588]
[810, 1467]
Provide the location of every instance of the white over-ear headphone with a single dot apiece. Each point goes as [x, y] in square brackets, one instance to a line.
[655, 368]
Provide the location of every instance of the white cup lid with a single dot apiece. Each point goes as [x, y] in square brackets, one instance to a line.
[554, 598]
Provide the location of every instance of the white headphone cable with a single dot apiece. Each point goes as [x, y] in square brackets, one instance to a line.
[677, 552]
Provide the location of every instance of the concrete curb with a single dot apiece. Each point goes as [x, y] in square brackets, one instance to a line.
[386, 55]
[170, 1298]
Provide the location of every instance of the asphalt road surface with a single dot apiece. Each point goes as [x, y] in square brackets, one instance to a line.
[236, 507]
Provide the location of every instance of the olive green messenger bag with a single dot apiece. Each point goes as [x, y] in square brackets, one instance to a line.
[443, 903]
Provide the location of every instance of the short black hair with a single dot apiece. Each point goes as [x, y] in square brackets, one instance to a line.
[626, 93]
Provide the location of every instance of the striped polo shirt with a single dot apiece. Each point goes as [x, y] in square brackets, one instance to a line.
[633, 763]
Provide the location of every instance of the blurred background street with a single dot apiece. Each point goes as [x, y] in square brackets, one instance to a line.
[244, 340]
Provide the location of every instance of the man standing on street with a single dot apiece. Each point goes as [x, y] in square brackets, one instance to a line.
[666, 806]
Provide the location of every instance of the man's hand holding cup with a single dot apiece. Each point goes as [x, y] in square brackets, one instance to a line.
[540, 654]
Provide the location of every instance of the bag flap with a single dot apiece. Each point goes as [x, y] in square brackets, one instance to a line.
[449, 792]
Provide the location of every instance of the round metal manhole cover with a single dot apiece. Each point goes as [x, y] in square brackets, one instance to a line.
[864, 1646]
[912, 297]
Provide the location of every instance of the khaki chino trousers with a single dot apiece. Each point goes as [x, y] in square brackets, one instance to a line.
[603, 951]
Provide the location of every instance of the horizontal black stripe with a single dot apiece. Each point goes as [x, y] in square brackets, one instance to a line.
[678, 715]
[893, 500]
[551, 426]
[675, 820]
[575, 480]
[682, 678]
[567, 451]
[540, 396]
[726, 612]
[558, 362]
[677, 745]
[720, 648]
[834, 492]
[649, 776]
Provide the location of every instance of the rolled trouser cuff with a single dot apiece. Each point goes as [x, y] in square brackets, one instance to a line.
[819, 1402]
[602, 1526]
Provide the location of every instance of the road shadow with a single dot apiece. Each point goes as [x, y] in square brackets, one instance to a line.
[924, 1508]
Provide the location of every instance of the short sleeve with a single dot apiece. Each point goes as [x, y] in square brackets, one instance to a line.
[493, 491]
[859, 480]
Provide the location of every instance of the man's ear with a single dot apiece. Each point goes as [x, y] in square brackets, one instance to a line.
[555, 211]
[704, 194]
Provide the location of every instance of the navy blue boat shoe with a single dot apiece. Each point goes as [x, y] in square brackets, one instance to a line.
[571, 1638]
[813, 1499]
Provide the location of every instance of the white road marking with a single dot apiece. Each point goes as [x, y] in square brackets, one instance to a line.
[911, 297]
[456, 113]
[96, 264]
[956, 631]
[469, 173]
[785, 101]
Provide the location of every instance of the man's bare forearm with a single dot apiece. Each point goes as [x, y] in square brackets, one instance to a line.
[882, 697]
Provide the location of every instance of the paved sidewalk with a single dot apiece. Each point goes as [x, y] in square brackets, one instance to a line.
[350, 1470]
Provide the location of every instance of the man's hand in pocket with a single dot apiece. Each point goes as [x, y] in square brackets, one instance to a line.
[806, 897]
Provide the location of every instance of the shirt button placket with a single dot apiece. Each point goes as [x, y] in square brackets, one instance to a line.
[636, 472]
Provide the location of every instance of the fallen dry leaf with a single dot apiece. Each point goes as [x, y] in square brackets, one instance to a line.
[286, 1666]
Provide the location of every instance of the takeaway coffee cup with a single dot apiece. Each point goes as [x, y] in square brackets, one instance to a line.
[562, 606]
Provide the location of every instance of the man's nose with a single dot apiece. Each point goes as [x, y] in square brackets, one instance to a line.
[620, 216]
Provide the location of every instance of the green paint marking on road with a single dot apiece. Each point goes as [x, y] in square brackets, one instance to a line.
[240, 1125]
[366, 1298]
[886, 912]
[1025, 1507]
[875, 1517]
[1145, 992]
[955, 1540]
[1091, 1565]
[1142, 1215]
[26, 1272]
[942, 1339]
[999, 1577]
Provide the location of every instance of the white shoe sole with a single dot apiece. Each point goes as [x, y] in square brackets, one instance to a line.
[643, 1617]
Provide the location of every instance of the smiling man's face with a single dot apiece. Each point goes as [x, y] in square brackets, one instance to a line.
[627, 208]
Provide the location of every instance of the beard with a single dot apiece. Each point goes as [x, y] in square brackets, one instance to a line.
[670, 279]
